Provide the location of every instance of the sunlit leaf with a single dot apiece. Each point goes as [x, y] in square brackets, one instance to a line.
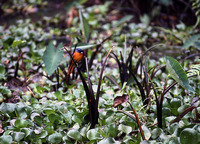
[21, 123]
[7, 107]
[93, 134]
[177, 73]
[18, 43]
[17, 136]
[74, 134]
[55, 138]
[124, 128]
[147, 133]
[52, 57]
[84, 26]
[83, 46]
[6, 139]
[156, 133]
[107, 141]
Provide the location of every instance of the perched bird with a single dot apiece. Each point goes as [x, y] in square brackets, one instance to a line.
[77, 56]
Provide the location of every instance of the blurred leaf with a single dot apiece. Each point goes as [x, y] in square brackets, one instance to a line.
[124, 128]
[27, 131]
[55, 138]
[58, 95]
[5, 139]
[21, 123]
[52, 57]
[94, 134]
[119, 100]
[74, 134]
[107, 141]
[156, 133]
[83, 46]
[7, 107]
[189, 136]
[18, 136]
[177, 73]
[18, 43]
[147, 132]
[123, 20]
[48, 111]
[84, 26]
[191, 41]
[2, 69]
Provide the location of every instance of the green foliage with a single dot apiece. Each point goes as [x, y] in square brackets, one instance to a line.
[84, 27]
[48, 111]
[194, 70]
[177, 73]
[52, 57]
[193, 41]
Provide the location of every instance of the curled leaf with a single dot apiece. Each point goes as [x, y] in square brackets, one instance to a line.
[119, 100]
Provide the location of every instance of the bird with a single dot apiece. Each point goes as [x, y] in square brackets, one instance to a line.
[77, 56]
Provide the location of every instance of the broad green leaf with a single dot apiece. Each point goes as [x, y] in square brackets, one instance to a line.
[156, 133]
[58, 94]
[7, 107]
[21, 123]
[84, 26]
[55, 138]
[18, 43]
[147, 133]
[17, 136]
[5, 139]
[2, 69]
[74, 134]
[27, 131]
[49, 111]
[192, 41]
[52, 57]
[107, 141]
[124, 128]
[94, 134]
[189, 136]
[177, 73]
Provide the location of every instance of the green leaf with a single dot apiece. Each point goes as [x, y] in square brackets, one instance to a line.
[49, 111]
[94, 134]
[18, 43]
[74, 134]
[55, 138]
[21, 123]
[191, 41]
[147, 133]
[5, 139]
[107, 141]
[2, 69]
[17, 136]
[177, 73]
[7, 107]
[123, 20]
[124, 128]
[156, 133]
[52, 57]
[84, 26]
[58, 94]
[83, 46]
[189, 136]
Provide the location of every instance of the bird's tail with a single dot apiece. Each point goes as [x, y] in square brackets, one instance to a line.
[70, 70]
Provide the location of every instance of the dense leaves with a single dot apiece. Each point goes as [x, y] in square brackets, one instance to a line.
[36, 104]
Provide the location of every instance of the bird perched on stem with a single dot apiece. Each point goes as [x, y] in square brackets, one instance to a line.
[77, 56]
